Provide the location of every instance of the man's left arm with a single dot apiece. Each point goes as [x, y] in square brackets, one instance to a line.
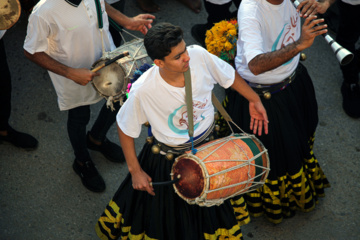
[141, 22]
[259, 119]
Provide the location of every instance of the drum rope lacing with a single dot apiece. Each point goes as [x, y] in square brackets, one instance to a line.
[246, 163]
[201, 200]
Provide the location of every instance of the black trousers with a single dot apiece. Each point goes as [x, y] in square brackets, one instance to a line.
[347, 35]
[78, 118]
[217, 13]
[5, 89]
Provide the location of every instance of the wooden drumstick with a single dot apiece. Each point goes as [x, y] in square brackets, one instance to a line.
[166, 183]
[124, 54]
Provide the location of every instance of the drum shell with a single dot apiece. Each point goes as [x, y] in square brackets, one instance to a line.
[124, 70]
[221, 169]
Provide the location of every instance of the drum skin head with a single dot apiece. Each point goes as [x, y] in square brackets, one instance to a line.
[111, 80]
[10, 11]
[191, 183]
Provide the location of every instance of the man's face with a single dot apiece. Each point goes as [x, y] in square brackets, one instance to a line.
[177, 60]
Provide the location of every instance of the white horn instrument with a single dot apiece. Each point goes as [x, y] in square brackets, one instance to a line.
[342, 54]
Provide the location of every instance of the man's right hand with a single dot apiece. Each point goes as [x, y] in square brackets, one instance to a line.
[141, 181]
[81, 76]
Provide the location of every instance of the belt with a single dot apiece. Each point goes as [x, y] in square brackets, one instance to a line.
[267, 90]
[170, 151]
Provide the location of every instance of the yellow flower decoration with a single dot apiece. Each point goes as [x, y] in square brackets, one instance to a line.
[221, 39]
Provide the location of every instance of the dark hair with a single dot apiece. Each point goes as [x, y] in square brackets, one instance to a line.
[161, 38]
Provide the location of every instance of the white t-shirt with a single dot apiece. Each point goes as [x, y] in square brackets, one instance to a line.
[352, 2]
[71, 36]
[163, 106]
[264, 27]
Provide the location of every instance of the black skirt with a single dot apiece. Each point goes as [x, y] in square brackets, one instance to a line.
[133, 214]
[295, 180]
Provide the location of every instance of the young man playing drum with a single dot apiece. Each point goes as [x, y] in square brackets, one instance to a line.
[158, 97]
[64, 37]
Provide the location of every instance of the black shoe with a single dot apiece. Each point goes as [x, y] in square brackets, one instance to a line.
[198, 32]
[351, 99]
[90, 177]
[19, 139]
[109, 149]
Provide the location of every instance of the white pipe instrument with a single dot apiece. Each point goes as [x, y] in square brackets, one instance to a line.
[342, 54]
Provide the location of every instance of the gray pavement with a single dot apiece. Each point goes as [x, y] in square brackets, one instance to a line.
[42, 198]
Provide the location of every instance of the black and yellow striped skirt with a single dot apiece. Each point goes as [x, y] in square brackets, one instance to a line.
[295, 180]
[133, 214]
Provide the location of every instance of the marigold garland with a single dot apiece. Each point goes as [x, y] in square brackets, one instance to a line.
[221, 39]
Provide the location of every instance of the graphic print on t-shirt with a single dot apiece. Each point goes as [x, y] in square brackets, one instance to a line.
[286, 36]
[178, 119]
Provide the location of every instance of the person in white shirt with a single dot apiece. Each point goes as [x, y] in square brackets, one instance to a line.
[270, 40]
[158, 97]
[64, 37]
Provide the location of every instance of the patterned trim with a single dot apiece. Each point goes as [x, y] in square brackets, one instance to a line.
[280, 198]
[114, 217]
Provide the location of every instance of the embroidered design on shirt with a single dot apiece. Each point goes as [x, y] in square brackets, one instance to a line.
[181, 126]
[287, 35]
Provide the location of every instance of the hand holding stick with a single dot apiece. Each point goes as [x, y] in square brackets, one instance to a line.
[124, 54]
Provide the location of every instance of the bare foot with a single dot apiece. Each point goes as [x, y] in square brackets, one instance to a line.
[194, 5]
[148, 6]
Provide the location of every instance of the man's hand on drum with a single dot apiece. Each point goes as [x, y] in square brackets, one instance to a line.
[141, 181]
[141, 22]
[258, 118]
[81, 76]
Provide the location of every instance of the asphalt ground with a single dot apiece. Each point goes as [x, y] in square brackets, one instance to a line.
[42, 198]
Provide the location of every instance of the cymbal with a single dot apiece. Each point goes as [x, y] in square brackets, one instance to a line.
[10, 11]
